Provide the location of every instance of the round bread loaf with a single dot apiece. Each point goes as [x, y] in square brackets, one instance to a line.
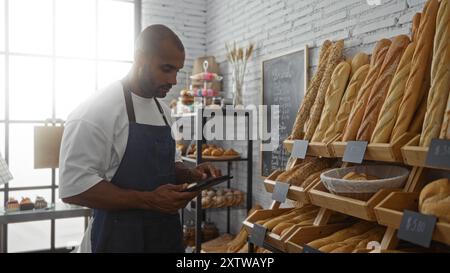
[434, 199]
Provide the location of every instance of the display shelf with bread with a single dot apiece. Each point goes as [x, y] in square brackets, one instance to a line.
[314, 148]
[413, 154]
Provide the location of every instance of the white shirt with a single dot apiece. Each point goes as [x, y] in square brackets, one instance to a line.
[95, 138]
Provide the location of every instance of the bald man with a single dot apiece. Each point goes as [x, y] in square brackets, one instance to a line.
[118, 156]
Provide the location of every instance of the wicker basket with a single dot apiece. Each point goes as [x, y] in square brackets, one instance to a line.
[390, 177]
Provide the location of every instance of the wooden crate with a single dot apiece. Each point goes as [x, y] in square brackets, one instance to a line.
[390, 212]
[304, 235]
[295, 193]
[321, 197]
[338, 148]
[413, 154]
[271, 238]
[314, 148]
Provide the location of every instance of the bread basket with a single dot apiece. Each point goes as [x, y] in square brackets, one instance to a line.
[390, 177]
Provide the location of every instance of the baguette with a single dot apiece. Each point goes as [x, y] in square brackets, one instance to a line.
[311, 93]
[358, 61]
[333, 98]
[416, 86]
[301, 174]
[419, 116]
[316, 110]
[445, 130]
[356, 115]
[388, 113]
[381, 86]
[440, 77]
[415, 26]
[347, 103]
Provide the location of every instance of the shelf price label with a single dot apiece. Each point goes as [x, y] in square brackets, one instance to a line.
[280, 191]
[300, 148]
[258, 234]
[355, 151]
[439, 154]
[308, 249]
[417, 228]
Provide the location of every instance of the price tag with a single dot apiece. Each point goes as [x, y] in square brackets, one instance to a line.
[280, 192]
[355, 151]
[417, 228]
[300, 148]
[258, 234]
[308, 249]
[439, 154]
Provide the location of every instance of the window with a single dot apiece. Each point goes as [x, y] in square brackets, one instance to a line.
[50, 62]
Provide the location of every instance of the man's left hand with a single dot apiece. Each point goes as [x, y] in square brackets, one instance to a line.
[205, 170]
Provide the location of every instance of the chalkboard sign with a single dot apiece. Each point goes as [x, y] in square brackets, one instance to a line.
[284, 81]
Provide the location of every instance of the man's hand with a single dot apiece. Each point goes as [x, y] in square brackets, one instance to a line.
[204, 171]
[169, 198]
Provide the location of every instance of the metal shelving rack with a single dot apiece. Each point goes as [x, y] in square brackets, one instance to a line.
[200, 213]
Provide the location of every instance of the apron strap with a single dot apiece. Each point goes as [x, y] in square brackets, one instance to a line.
[162, 112]
[129, 105]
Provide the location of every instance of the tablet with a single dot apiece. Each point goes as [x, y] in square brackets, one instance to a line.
[207, 183]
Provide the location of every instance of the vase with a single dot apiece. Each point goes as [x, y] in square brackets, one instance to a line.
[237, 93]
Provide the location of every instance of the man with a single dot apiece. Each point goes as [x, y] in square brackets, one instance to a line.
[118, 156]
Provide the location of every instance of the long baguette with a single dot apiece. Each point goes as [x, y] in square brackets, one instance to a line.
[316, 110]
[420, 68]
[358, 61]
[333, 99]
[311, 93]
[356, 115]
[381, 86]
[445, 130]
[440, 77]
[347, 103]
[415, 26]
[389, 111]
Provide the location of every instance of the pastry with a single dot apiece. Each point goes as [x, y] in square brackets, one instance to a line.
[40, 203]
[206, 152]
[333, 99]
[337, 127]
[389, 110]
[12, 205]
[417, 83]
[440, 77]
[230, 152]
[311, 93]
[26, 204]
[434, 199]
[381, 86]
[316, 110]
[217, 152]
[356, 115]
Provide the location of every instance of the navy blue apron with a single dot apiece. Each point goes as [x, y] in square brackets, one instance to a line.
[148, 162]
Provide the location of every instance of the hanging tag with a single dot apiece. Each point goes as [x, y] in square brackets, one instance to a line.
[300, 148]
[280, 192]
[417, 228]
[355, 151]
[439, 154]
[258, 234]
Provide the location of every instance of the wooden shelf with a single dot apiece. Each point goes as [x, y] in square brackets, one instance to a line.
[314, 148]
[413, 154]
[295, 193]
[390, 212]
[321, 197]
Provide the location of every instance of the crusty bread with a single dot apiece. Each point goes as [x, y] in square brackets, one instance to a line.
[311, 93]
[316, 110]
[419, 116]
[333, 99]
[415, 26]
[359, 60]
[389, 110]
[356, 115]
[381, 86]
[445, 130]
[347, 102]
[420, 68]
[440, 77]
[434, 199]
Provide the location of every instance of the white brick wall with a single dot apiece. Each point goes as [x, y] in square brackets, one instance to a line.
[276, 26]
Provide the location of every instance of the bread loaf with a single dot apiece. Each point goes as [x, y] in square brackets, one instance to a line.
[381, 86]
[356, 115]
[420, 67]
[311, 93]
[389, 110]
[415, 27]
[434, 199]
[314, 118]
[445, 130]
[347, 103]
[333, 99]
[440, 77]
[358, 61]
[419, 116]
[299, 176]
